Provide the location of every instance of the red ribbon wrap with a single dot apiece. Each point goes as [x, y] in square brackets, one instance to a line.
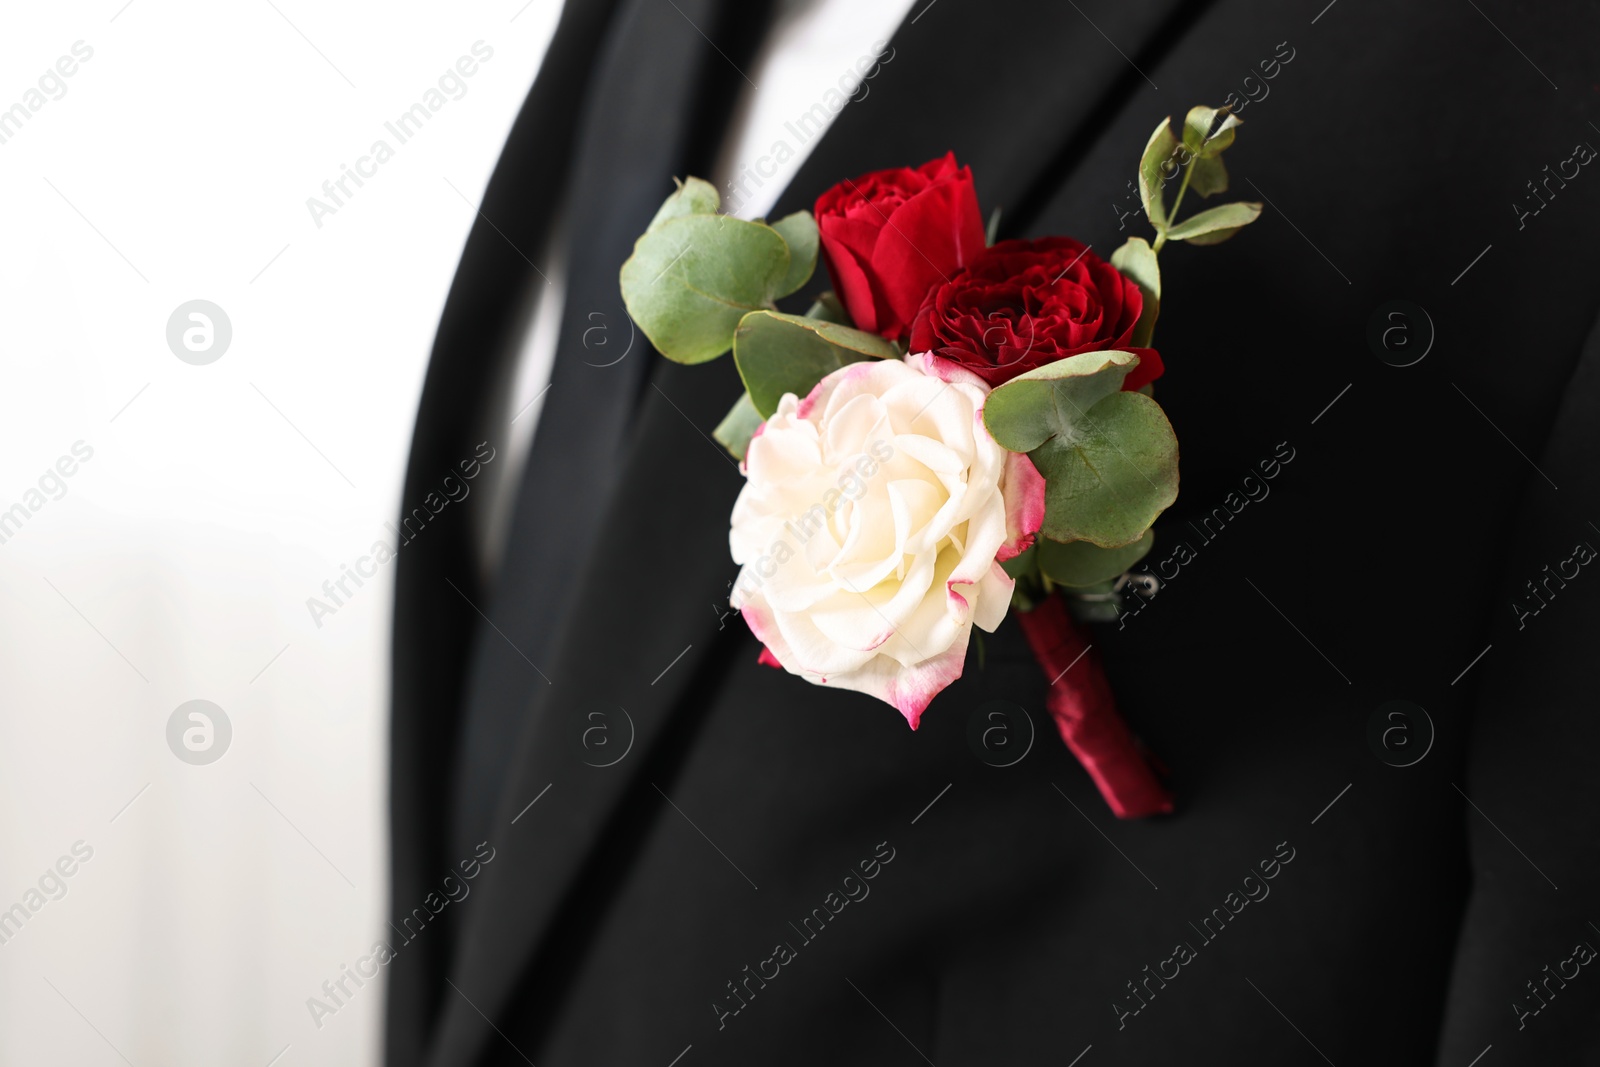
[1086, 716]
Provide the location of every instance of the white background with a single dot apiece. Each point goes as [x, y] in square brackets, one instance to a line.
[178, 563]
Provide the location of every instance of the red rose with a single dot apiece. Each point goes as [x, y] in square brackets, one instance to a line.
[1024, 304]
[892, 235]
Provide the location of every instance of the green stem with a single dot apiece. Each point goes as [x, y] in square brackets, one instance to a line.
[1161, 238]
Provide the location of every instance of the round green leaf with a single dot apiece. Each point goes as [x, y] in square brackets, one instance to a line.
[1032, 408]
[692, 277]
[829, 309]
[1082, 564]
[1221, 137]
[1138, 261]
[1155, 167]
[738, 426]
[799, 232]
[696, 196]
[1197, 127]
[1208, 176]
[1199, 137]
[1110, 474]
[778, 354]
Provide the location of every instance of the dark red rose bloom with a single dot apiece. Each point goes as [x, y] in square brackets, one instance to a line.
[890, 236]
[1023, 304]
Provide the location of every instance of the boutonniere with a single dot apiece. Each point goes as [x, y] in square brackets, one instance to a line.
[959, 429]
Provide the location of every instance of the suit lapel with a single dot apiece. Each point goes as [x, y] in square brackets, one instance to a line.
[655, 101]
[436, 581]
[1018, 93]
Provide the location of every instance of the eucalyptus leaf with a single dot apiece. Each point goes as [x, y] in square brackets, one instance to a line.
[1156, 166]
[695, 196]
[1197, 127]
[1111, 473]
[693, 276]
[738, 426]
[1081, 564]
[799, 232]
[1208, 175]
[1137, 261]
[1034, 407]
[1109, 458]
[829, 309]
[1199, 137]
[1222, 137]
[1216, 237]
[1215, 224]
[778, 354]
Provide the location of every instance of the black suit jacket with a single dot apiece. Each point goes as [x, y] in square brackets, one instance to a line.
[742, 869]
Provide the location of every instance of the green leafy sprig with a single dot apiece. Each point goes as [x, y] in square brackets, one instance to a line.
[1110, 458]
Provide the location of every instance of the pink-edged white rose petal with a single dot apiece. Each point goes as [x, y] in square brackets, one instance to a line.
[870, 527]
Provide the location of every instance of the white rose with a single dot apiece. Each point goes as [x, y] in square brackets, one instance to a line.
[871, 528]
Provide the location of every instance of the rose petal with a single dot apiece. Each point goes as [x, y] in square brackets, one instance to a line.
[909, 689]
[1024, 496]
[850, 284]
[1149, 369]
[924, 243]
